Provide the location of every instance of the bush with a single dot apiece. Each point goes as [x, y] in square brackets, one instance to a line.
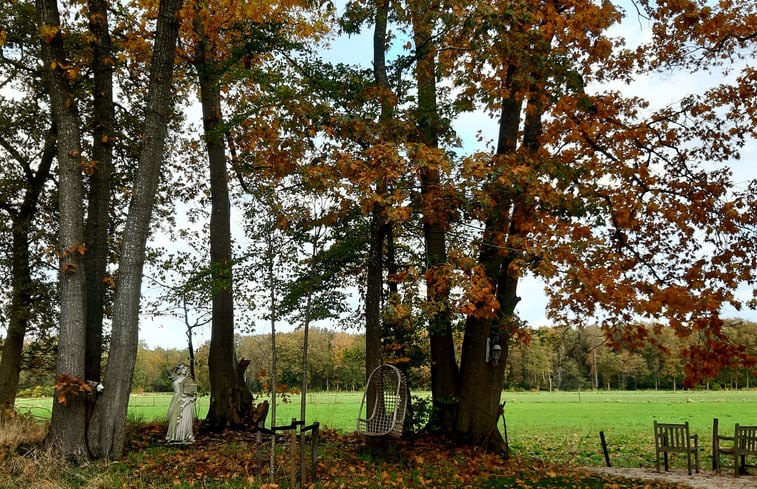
[37, 391]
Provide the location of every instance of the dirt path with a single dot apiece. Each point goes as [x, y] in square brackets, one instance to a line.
[705, 479]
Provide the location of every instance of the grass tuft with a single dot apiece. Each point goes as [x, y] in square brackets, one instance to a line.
[17, 430]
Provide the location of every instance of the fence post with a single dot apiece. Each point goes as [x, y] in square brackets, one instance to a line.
[715, 445]
[303, 461]
[604, 448]
[314, 453]
[293, 463]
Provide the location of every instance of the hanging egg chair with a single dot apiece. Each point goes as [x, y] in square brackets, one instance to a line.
[384, 404]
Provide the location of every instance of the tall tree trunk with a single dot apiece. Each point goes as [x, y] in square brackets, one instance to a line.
[21, 275]
[230, 398]
[374, 348]
[373, 294]
[444, 371]
[106, 427]
[478, 407]
[68, 419]
[481, 382]
[375, 279]
[96, 229]
[306, 325]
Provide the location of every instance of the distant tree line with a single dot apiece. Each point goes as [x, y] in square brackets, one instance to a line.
[336, 361]
[569, 359]
[553, 358]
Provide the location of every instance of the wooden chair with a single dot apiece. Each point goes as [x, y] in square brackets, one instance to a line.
[744, 444]
[675, 438]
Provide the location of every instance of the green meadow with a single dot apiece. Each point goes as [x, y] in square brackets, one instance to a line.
[561, 427]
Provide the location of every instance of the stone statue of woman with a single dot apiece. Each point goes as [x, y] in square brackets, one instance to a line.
[181, 409]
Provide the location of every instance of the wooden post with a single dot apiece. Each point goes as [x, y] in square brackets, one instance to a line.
[258, 452]
[604, 448]
[293, 461]
[314, 454]
[504, 428]
[303, 460]
[715, 445]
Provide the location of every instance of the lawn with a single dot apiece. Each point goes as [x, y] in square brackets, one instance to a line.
[565, 426]
[560, 427]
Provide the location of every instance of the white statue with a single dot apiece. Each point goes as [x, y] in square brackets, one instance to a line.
[181, 409]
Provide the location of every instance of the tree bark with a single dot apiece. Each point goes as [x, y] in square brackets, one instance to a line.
[230, 398]
[481, 382]
[96, 228]
[21, 275]
[375, 268]
[373, 294]
[444, 370]
[106, 427]
[68, 419]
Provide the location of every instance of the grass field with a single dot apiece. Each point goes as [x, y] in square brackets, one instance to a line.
[562, 427]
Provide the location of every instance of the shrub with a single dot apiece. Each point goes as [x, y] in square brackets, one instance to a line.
[37, 391]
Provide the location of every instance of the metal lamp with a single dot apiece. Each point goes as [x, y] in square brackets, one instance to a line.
[493, 350]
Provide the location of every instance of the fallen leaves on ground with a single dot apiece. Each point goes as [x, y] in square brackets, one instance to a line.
[346, 461]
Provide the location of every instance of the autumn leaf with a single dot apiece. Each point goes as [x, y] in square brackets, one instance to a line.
[109, 281]
[48, 33]
[67, 385]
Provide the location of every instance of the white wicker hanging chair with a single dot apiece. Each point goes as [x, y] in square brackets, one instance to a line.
[384, 404]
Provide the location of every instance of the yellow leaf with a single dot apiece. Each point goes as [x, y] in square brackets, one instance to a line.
[48, 32]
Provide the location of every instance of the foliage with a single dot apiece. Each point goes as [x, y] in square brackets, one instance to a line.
[67, 386]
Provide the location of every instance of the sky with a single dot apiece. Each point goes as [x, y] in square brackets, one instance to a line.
[661, 89]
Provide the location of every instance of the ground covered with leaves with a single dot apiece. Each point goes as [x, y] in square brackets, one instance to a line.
[230, 461]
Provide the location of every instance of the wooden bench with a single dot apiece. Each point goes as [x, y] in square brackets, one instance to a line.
[741, 445]
[675, 438]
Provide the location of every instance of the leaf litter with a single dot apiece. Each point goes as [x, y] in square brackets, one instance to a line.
[229, 460]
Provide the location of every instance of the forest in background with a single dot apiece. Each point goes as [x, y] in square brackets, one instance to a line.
[553, 358]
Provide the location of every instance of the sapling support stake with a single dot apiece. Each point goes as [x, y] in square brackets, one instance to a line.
[604, 448]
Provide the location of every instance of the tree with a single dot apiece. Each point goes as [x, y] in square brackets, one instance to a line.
[436, 218]
[230, 398]
[28, 146]
[100, 172]
[67, 429]
[25, 291]
[186, 287]
[378, 220]
[580, 189]
[106, 427]
[69, 424]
